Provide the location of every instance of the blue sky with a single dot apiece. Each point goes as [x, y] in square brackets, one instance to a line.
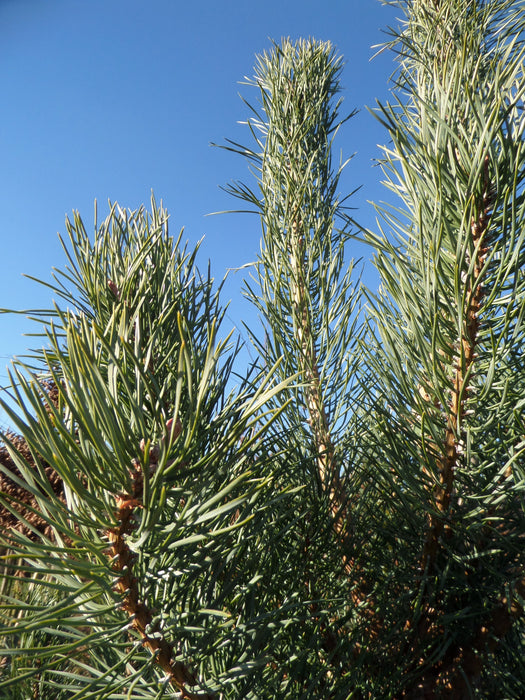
[110, 99]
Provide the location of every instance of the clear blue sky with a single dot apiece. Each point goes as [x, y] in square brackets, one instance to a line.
[110, 99]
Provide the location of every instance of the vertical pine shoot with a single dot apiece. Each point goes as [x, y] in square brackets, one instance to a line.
[304, 290]
[450, 332]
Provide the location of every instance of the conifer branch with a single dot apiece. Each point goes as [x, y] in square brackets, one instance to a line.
[122, 559]
[447, 462]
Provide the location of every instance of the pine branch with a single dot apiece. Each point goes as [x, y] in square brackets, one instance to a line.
[466, 345]
[444, 363]
[141, 617]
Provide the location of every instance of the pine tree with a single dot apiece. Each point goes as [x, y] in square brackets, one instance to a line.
[448, 414]
[348, 522]
[131, 480]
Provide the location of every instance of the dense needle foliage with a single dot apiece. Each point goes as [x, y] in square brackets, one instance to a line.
[348, 520]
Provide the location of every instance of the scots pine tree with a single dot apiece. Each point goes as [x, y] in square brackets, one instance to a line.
[130, 480]
[447, 438]
[348, 522]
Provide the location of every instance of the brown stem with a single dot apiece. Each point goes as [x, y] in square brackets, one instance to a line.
[459, 671]
[318, 420]
[440, 518]
[447, 463]
[141, 616]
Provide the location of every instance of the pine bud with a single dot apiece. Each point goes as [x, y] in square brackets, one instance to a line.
[174, 428]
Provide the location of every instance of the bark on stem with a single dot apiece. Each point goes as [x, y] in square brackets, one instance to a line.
[141, 617]
[446, 464]
[457, 672]
[318, 420]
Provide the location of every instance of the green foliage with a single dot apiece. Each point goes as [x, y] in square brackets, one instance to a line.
[348, 521]
[446, 330]
[158, 470]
